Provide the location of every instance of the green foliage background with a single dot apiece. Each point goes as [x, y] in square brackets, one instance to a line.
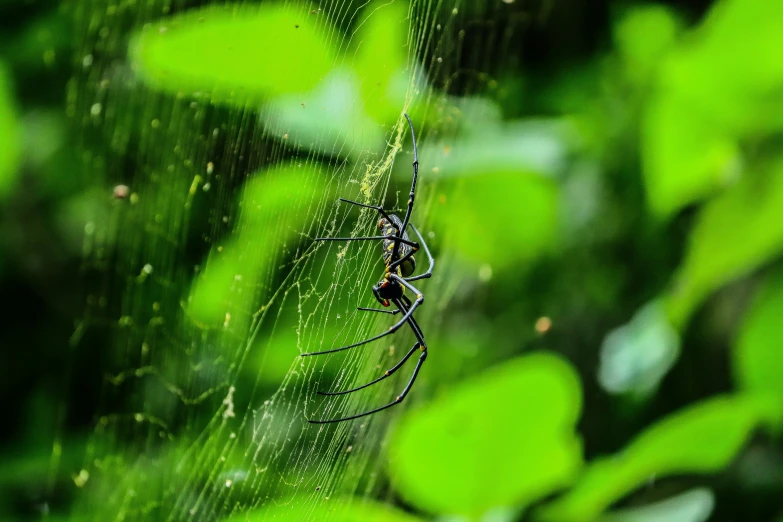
[603, 184]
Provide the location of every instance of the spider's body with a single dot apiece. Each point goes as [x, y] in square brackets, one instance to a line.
[398, 251]
[405, 252]
[387, 290]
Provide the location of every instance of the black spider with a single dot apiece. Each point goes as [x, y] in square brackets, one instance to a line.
[398, 255]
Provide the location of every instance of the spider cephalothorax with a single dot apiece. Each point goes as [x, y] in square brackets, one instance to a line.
[398, 251]
[387, 289]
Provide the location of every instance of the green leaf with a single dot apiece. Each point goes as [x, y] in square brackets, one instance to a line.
[702, 438]
[381, 59]
[686, 155]
[643, 35]
[719, 86]
[738, 42]
[636, 356]
[695, 505]
[235, 55]
[331, 117]
[502, 439]
[338, 510]
[275, 205]
[734, 234]
[501, 235]
[758, 352]
[9, 135]
[478, 171]
[539, 148]
[354, 103]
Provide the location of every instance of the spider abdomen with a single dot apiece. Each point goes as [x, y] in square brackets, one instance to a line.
[408, 266]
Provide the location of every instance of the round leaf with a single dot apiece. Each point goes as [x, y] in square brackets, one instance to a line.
[505, 438]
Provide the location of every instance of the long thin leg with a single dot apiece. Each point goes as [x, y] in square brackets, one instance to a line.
[404, 305]
[391, 330]
[428, 273]
[374, 207]
[401, 260]
[414, 325]
[369, 238]
[412, 195]
[415, 176]
[386, 374]
[412, 252]
[416, 291]
[390, 312]
[400, 397]
[401, 307]
[419, 343]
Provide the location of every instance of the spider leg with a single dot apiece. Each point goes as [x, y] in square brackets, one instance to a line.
[406, 284]
[402, 307]
[411, 196]
[386, 374]
[400, 397]
[419, 343]
[415, 175]
[401, 260]
[431, 259]
[413, 250]
[391, 330]
[368, 238]
[374, 207]
[390, 312]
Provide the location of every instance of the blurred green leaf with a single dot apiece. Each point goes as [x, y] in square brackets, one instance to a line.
[758, 352]
[686, 154]
[643, 35]
[347, 113]
[502, 439]
[9, 134]
[636, 356]
[337, 509]
[486, 229]
[702, 438]
[730, 67]
[381, 58]
[695, 505]
[329, 118]
[275, 205]
[235, 55]
[720, 85]
[734, 234]
[480, 172]
[539, 147]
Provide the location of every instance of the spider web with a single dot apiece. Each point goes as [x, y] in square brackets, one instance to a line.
[203, 280]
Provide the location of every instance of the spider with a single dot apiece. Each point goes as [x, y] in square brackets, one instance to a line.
[398, 256]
